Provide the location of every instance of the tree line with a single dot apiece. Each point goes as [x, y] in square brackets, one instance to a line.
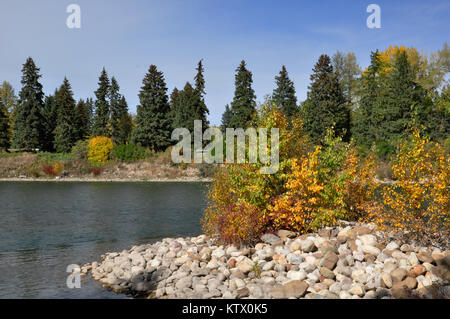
[374, 107]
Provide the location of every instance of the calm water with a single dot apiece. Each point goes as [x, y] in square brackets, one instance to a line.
[44, 227]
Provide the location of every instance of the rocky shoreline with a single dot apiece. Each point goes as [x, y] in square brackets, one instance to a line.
[350, 261]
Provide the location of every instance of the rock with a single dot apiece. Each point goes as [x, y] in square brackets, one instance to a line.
[386, 280]
[296, 275]
[245, 265]
[327, 273]
[243, 292]
[329, 260]
[185, 282]
[358, 255]
[284, 234]
[324, 232]
[271, 239]
[294, 259]
[231, 263]
[368, 240]
[308, 246]
[370, 249]
[405, 248]
[400, 291]
[357, 289]
[398, 275]
[359, 275]
[412, 259]
[417, 271]
[279, 259]
[410, 282]
[425, 257]
[392, 246]
[295, 289]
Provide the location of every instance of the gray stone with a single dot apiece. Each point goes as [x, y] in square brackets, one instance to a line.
[295, 288]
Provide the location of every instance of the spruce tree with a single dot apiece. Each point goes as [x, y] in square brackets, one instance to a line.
[201, 110]
[28, 125]
[284, 94]
[173, 104]
[66, 133]
[153, 124]
[243, 106]
[50, 116]
[404, 95]
[90, 111]
[367, 117]
[102, 107]
[186, 104]
[325, 103]
[4, 126]
[226, 118]
[119, 114]
[82, 115]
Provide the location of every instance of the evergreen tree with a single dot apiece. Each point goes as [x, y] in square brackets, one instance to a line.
[123, 123]
[226, 118]
[367, 117]
[90, 111]
[102, 107]
[325, 103]
[28, 125]
[153, 125]
[200, 110]
[284, 94]
[4, 126]
[82, 116]
[186, 106]
[173, 104]
[243, 106]
[119, 115]
[66, 133]
[50, 117]
[403, 96]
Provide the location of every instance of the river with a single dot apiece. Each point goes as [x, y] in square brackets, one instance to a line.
[46, 226]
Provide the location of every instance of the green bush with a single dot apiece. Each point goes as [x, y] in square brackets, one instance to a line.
[80, 150]
[128, 153]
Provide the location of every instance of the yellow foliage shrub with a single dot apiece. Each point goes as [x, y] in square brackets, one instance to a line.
[99, 150]
[418, 202]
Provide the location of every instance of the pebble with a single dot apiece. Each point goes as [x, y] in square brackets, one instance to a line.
[348, 263]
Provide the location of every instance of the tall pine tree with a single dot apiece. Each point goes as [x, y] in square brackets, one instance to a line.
[102, 107]
[50, 116]
[325, 103]
[66, 133]
[153, 123]
[4, 126]
[367, 116]
[243, 106]
[82, 118]
[119, 115]
[28, 125]
[226, 118]
[201, 110]
[284, 94]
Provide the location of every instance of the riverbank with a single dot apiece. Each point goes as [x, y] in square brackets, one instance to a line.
[102, 179]
[349, 261]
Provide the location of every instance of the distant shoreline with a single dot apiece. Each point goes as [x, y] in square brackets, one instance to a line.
[91, 179]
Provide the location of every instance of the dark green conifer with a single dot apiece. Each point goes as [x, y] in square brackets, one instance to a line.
[29, 130]
[284, 94]
[153, 124]
[243, 106]
[325, 105]
[102, 107]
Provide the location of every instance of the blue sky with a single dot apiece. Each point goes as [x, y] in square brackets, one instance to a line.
[127, 36]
